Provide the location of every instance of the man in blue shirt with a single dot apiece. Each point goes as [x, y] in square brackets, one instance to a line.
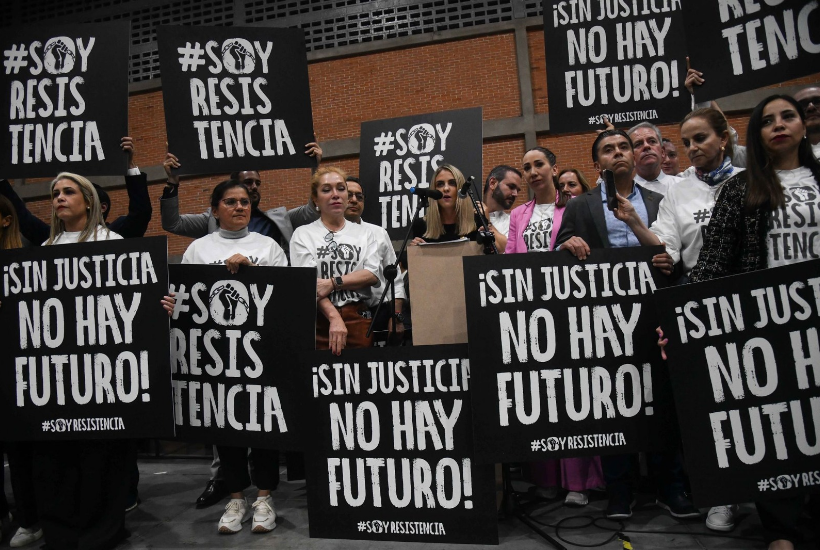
[588, 224]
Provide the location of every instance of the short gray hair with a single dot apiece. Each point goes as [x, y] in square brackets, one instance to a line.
[646, 125]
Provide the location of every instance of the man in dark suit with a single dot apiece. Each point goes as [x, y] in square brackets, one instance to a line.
[589, 224]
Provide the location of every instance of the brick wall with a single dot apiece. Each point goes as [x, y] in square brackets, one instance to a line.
[345, 92]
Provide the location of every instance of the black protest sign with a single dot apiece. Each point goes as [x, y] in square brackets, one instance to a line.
[234, 346]
[398, 154]
[65, 98]
[623, 60]
[564, 355]
[744, 358]
[235, 98]
[744, 45]
[391, 458]
[85, 342]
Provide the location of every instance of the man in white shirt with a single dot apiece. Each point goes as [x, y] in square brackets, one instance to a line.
[500, 191]
[387, 257]
[649, 156]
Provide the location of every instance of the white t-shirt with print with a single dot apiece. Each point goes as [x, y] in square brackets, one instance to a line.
[683, 215]
[71, 237]
[501, 221]
[355, 249]
[538, 232]
[215, 249]
[793, 230]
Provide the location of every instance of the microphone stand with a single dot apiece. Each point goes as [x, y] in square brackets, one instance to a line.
[513, 502]
[485, 236]
[391, 271]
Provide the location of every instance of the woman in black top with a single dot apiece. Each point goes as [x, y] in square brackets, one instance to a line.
[450, 217]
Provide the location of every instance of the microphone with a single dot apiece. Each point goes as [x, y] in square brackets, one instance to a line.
[429, 193]
[462, 193]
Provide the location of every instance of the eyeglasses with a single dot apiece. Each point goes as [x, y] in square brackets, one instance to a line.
[231, 203]
[814, 100]
[359, 196]
[331, 243]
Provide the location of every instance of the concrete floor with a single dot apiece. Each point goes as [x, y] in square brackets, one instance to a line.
[167, 519]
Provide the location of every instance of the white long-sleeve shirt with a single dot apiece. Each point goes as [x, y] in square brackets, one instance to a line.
[683, 215]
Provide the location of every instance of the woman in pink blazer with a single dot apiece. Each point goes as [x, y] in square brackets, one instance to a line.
[534, 225]
[533, 228]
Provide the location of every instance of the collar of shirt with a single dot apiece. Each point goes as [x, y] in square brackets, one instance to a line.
[619, 234]
[631, 196]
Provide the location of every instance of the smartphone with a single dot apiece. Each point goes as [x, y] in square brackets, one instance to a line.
[609, 181]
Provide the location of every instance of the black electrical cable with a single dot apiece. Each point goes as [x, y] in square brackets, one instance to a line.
[616, 533]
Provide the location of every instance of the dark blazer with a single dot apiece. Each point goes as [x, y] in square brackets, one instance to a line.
[132, 225]
[584, 217]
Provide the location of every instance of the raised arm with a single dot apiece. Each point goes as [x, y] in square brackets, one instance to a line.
[187, 225]
[135, 223]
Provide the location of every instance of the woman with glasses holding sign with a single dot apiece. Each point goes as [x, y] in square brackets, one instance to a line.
[748, 231]
[234, 246]
[82, 486]
[345, 256]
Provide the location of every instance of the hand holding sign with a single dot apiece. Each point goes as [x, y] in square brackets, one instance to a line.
[225, 102]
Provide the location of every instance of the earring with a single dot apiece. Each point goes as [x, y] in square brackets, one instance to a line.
[722, 148]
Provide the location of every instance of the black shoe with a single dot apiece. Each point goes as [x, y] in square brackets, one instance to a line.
[621, 501]
[214, 492]
[619, 508]
[678, 505]
[132, 502]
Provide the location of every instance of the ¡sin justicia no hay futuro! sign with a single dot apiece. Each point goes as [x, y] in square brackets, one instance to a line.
[623, 59]
[85, 346]
[744, 357]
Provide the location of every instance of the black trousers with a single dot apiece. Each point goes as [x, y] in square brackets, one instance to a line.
[4, 505]
[620, 473]
[235, 468]
[21, 472]
[81, 489]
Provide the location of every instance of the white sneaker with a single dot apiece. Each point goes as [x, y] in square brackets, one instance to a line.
[577, 498]
[24, 537]
[236, 513]
[721, 518]
[264, 516]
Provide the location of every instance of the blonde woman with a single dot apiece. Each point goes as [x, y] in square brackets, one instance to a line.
[76, 214]
[450, 217]
[346, 258]
[82, 486]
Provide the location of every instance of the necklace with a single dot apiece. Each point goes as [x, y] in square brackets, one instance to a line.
[330, 230]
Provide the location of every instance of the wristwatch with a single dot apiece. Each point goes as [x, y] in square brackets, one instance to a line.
[399, 317]
[338, 282]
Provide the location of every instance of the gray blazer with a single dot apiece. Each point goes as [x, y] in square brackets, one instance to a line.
[199, 225]
[584, 217]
